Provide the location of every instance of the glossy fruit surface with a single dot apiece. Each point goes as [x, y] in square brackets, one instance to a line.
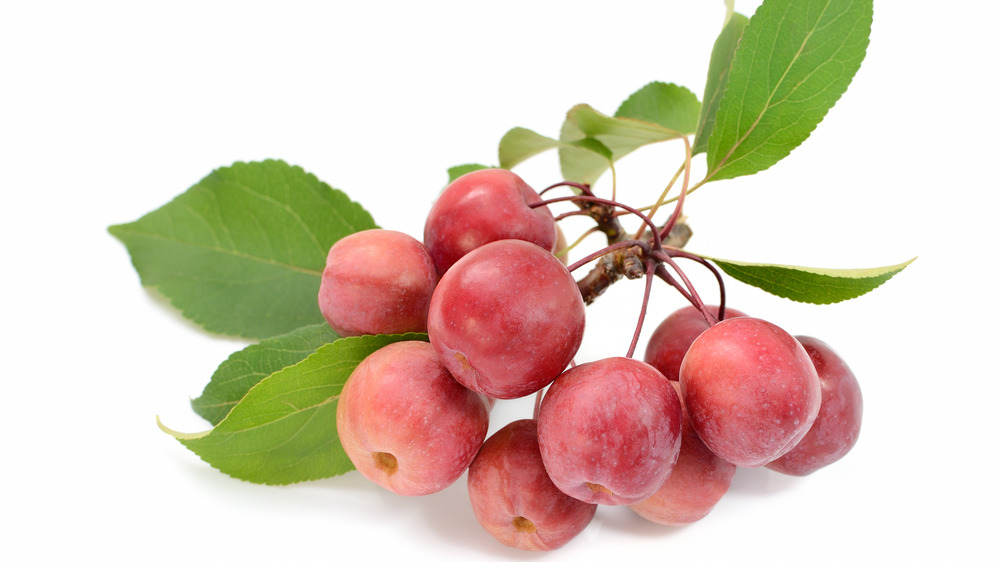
[506, 319]
[406, 424]
[675, 334]
[481, 207]
[609, 431]
[513, 497]
[751, 389]
[377, 282]
[696, 484]
[838, 423]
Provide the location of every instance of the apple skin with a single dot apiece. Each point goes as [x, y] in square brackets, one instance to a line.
[507, 319]
[377, 282]
[481, 207]
[696, 484]
[751, 390]
[672, 338]
[401, 401]
[513, 497]
[838, 424]
[609, 431]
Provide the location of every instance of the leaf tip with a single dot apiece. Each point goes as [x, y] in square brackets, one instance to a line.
[180, 436]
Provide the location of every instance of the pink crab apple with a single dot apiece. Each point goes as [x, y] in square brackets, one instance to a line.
[506, 319]
[838, 424]
[672, 338]
[481, 207]
[609, 431]
[696, 484]
[751, 390]
[406, 424]
[377, 282]
[513, 497]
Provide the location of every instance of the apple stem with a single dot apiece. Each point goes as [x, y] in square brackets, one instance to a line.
[583, 187]
[684, 189]
[678, 253]
[651, 265]
[691, 294]
[609, 249]
[578, 199]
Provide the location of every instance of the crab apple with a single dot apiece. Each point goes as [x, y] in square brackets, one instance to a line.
[609, 431]
[377, 282]
[695, 485]
[751, 390]
[506, 319]
[481, 207]
[406, 424]
[513, 497]
[838, 424]
[672, 338]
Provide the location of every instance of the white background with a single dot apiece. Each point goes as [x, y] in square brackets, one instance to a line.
[109, 110]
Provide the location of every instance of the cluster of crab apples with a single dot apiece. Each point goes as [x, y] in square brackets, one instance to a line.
[504, 319]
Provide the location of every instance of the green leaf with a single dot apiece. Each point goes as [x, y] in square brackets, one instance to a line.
[285, 428]
[519, 144]
[242, 251]
[668, 105]
[620, 135]
[245, 368]
[718, 72]
[456, 172]
[579, 165]
[793, 62]
[809, 284]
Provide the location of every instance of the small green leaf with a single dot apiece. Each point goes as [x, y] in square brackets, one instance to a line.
[456, 172]
[242, 251]
[810, 284]
[285, 428]
[519, 144]
[718, 72]
[620, 135]
[576, 164]
[668, 105]
[794, 61]
[245, 368]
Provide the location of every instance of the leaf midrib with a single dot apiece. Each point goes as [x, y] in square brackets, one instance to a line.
[221, 250]
[767, 106]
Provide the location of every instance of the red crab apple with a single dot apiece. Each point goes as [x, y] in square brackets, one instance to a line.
[672, 338]
[513, 497]
[609, 431]
[751, 390]
[695, 485]
[506, 319]
[377, 282]
[481, 207]
[838, 424]
[406, 424]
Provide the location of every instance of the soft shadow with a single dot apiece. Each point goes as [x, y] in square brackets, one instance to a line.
[623, 520]
[761, 482]
[449, 514]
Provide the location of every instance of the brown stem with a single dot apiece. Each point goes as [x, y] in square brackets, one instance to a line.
[627, 262]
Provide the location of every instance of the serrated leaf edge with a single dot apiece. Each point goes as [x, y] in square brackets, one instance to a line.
[869, 273]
